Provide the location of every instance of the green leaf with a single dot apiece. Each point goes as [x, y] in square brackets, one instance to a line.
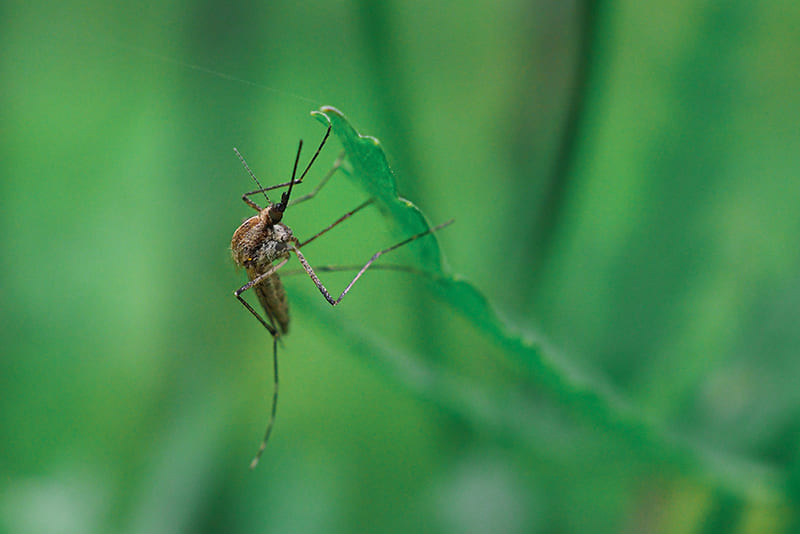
[590, 397]
[372, 173]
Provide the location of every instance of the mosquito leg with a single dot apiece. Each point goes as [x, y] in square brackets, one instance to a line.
[261, 277]
[246, 196]
[258, 279]
[352, 268]
[271, 422]
[275, 335]
[270, 328]
[336, 165]
[337, 221]
[324, 290]
[262, 189]
[250, 202]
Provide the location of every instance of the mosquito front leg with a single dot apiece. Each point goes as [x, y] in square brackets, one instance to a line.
[335, 167]
[324, 290]
[271, 328]
[246, 196]
[308, 196]
[263, 190]
[258, 279]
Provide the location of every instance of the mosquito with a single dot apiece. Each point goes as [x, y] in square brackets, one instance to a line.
[263, 244]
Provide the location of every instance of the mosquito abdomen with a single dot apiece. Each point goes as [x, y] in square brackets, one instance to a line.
[272, 297]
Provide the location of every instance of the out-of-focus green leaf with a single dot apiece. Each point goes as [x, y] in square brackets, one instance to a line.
[588, 395]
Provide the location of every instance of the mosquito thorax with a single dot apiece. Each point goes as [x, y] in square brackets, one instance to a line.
[259, 241]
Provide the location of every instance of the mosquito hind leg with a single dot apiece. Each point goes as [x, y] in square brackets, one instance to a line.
[275, 335]
[273, 411]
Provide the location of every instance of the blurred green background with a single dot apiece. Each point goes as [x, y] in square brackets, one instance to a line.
[624, 179]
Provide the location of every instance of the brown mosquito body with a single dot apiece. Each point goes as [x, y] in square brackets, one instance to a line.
[256, 244]
[263, 244]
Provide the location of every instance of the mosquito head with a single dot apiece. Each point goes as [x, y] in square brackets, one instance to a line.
[274, 212]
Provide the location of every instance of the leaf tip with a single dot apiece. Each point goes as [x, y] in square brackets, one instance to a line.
[330, 109]
[321, 116]
[326, 112]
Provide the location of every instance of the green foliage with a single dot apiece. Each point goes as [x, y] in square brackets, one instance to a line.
[585, 394]
[374, 176]
[604, 341]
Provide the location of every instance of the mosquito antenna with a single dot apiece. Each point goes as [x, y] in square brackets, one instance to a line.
[271, 422]
[319, 149]
[252, 175]
[285, 195]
